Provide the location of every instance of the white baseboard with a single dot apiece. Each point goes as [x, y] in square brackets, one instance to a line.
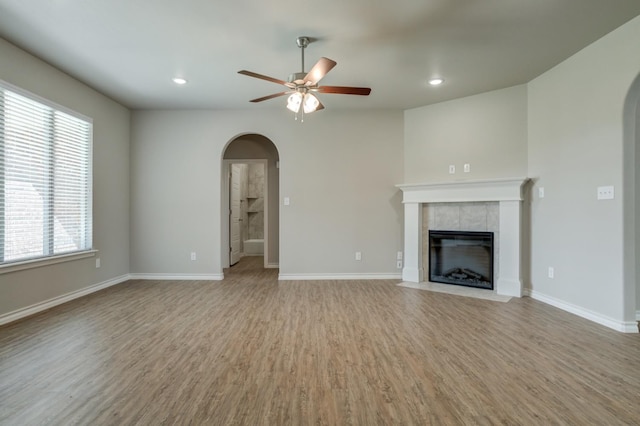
[623, 326]
[48, 304]
[178, 277]
[272, 265]
[351, 276]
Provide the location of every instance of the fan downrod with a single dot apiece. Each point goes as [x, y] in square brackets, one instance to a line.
[298, 77]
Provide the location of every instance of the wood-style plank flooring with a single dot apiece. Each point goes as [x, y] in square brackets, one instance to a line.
[252, 351]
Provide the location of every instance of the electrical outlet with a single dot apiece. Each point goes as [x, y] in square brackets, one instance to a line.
[193, 255]
[541, 192]
[399, 264]
[605, 193]
[399, 256]
[358, 255]
[551, 272]
[467, 168]
[97, 262]
[452, 169]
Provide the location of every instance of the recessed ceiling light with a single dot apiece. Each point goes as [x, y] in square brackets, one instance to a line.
[436, 81]
[179, 80]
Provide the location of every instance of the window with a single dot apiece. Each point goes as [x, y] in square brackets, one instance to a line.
[45, 178]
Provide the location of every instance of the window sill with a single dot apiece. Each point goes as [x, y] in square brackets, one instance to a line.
[37, 263]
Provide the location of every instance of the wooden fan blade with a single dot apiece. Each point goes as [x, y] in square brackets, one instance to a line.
[266, 98]
[262, 77]
[345, 90]
[319, 70]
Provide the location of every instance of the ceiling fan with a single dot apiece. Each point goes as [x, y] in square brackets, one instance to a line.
[302, 85]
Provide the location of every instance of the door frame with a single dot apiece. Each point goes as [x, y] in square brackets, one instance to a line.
[226, 210]
[232, 216]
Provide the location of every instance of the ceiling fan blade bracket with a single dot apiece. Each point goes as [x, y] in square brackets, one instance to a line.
[303, 84]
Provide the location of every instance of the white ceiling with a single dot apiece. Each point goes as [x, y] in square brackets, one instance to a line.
[130, 49]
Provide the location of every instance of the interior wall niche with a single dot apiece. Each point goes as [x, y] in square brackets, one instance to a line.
[255, 201]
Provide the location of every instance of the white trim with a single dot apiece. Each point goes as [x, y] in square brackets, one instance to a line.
[508, 193]
[622, 326]
[59, 300]
[272, 265]
[178, 277]
[50, 260]
[414, 275]
[464, 191]
[347, 276]
[413, 269]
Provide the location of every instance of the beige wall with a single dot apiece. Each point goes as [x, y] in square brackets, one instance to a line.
[576, 145]
[110, 184]
[488, 131]
[565, 131]
[338, 168]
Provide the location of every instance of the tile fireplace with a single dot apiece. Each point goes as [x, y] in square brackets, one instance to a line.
[506, 193]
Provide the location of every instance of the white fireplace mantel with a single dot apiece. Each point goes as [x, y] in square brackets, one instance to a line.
[509, 195]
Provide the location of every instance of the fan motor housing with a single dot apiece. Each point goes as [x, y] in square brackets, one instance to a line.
[297, 77]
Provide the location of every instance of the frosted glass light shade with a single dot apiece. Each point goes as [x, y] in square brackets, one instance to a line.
[310, 103]
[294, 102]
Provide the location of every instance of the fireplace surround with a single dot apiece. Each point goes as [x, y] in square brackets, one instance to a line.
[508, 193]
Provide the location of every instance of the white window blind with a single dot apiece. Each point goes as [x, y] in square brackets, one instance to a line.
[45, 178]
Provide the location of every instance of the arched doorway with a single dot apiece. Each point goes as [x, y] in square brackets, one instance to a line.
[631, 194]
[243, 211]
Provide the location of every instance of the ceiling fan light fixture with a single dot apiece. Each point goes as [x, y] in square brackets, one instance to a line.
[436, 81]
[294, 102]
[310, 103]
[301, 84]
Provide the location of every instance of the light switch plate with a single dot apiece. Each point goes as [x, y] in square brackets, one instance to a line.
[286, 201]
[541, 192]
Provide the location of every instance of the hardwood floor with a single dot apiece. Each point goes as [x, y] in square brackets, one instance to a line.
[251, 350]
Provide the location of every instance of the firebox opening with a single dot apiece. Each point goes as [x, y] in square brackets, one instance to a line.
[461, 258]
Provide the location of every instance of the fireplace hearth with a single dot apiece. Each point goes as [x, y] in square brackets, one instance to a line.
[461, 258]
